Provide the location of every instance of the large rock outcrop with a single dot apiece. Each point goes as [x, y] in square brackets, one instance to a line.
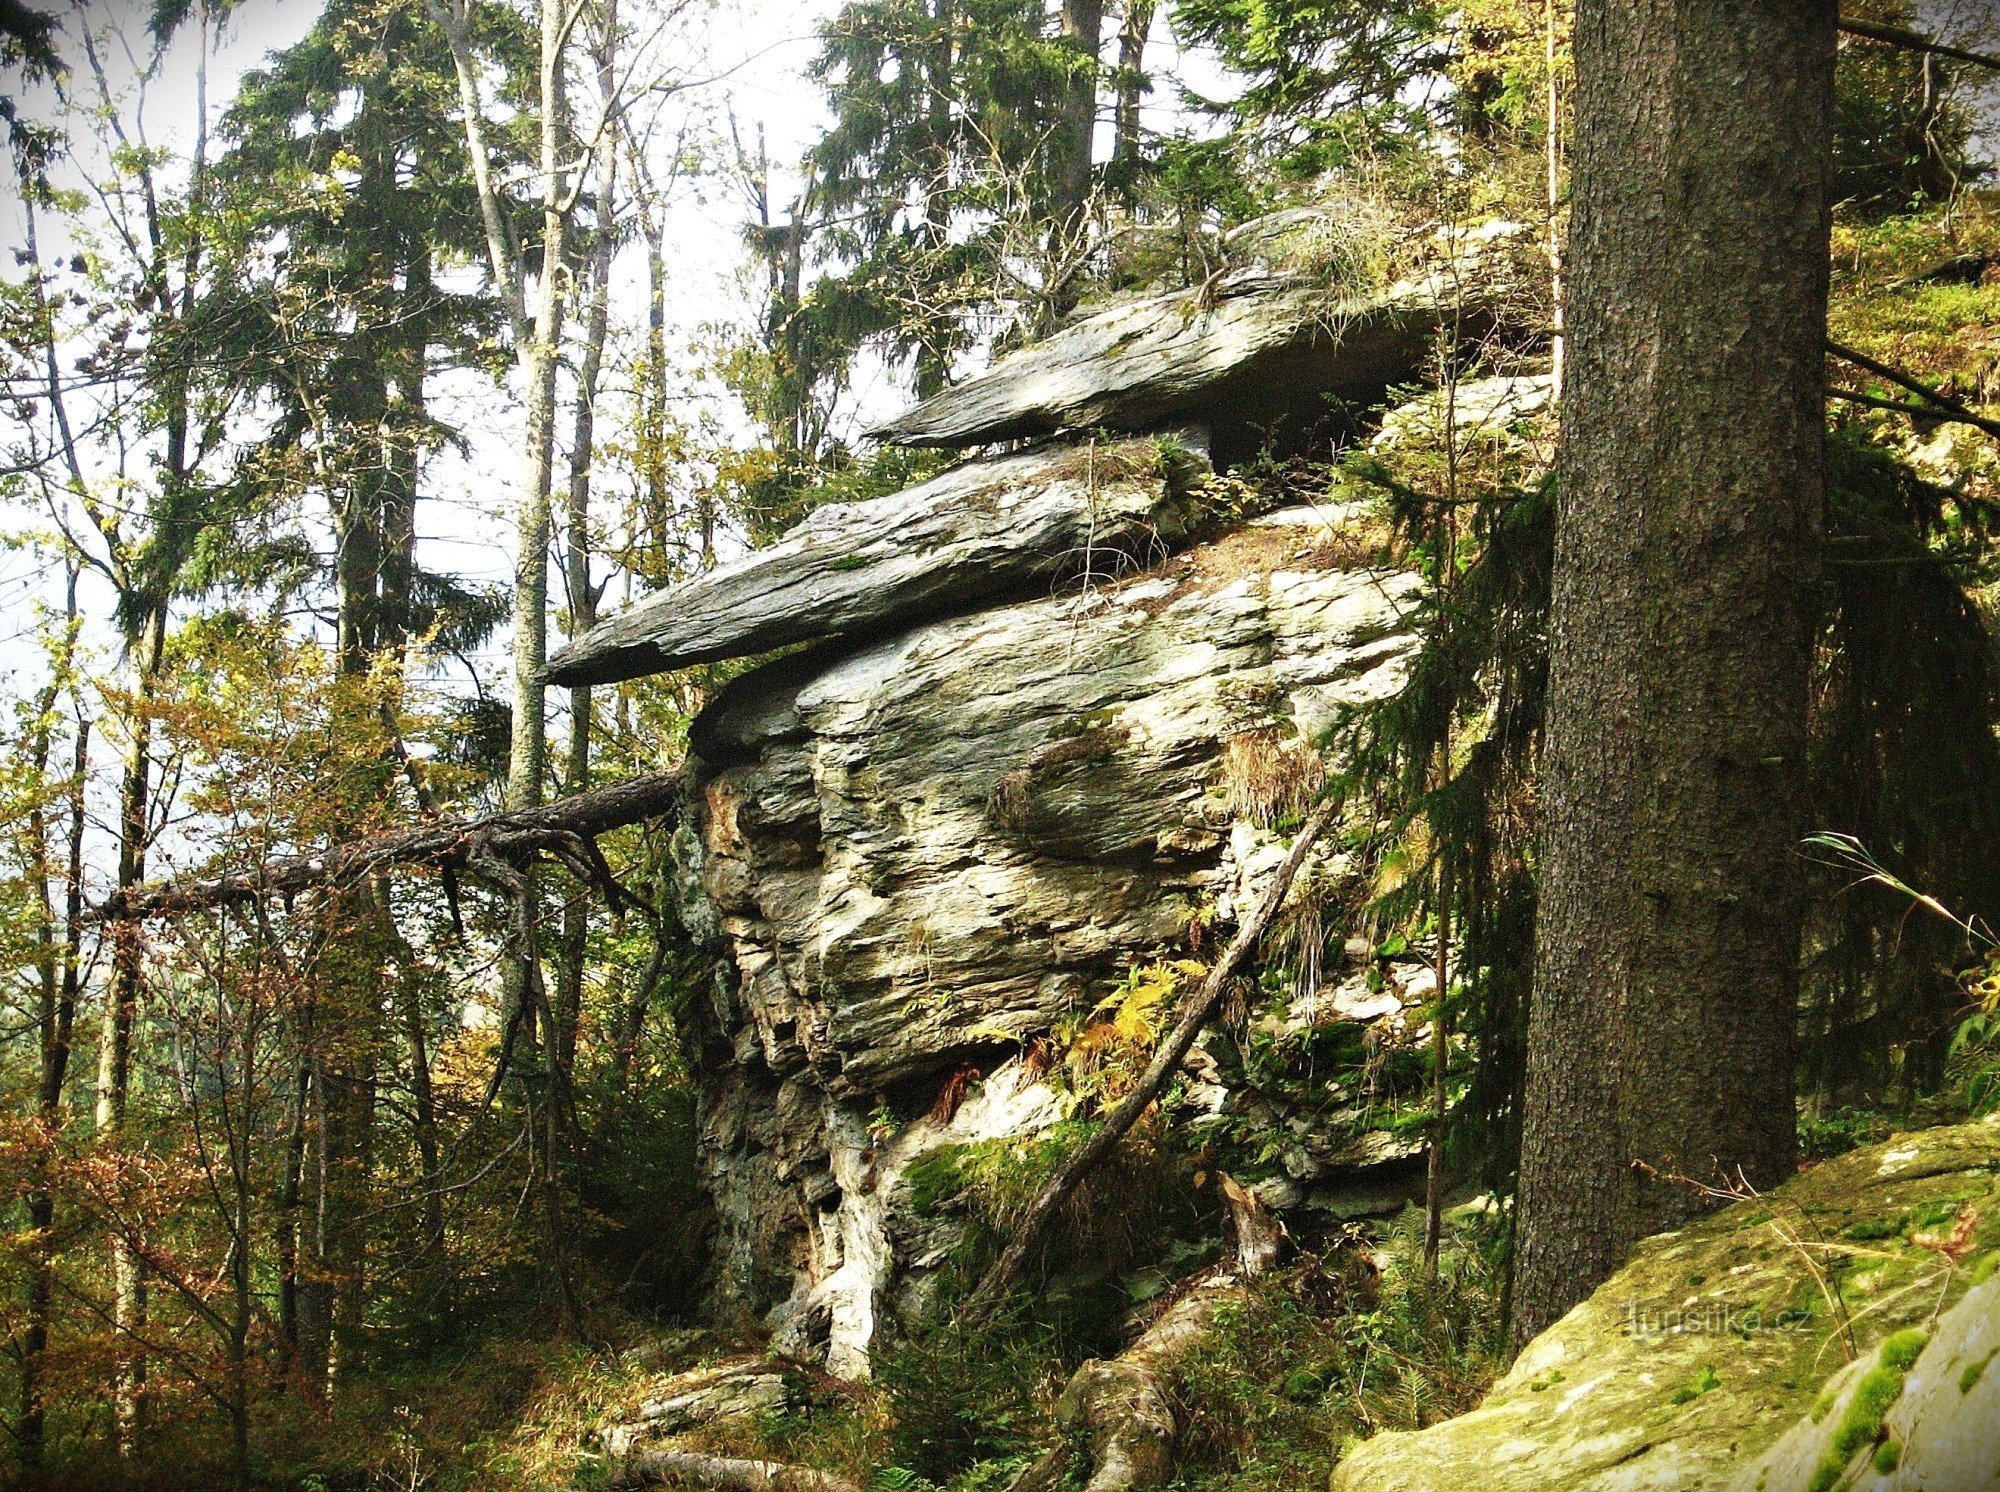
[922, 853]
[1689, 1367]
[1047, 713]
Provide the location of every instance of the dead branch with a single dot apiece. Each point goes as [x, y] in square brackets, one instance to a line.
[1166, 1060]
[1941, 406]
[724, 1473]
[1898, 36]
[554, 828]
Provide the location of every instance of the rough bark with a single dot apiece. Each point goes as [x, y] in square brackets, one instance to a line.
[1661, 1034]
[1075, 131]
[1130, 88]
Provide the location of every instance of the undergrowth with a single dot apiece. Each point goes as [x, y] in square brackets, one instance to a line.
[1353, 1342]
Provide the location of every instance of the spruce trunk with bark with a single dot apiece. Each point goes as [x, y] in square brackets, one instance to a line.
[1661, 1033]
[1131, 88]
[1074, 132]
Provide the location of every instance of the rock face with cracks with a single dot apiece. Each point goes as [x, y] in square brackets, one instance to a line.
[1015, 758]
[919, 854]
[1234, 353]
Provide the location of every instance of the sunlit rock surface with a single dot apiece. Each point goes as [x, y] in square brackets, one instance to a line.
[1240, 351]
[1691, 1363]
[920, 854]
[979, 532]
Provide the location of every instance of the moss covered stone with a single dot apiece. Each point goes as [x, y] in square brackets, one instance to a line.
[1760, 1323]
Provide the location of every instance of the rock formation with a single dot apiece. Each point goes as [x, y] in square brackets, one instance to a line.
[1236, 354]
[1051, 709]
[923, 853]
[983, 530]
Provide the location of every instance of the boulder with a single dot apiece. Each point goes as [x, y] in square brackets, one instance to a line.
[915, 856]
[1940, 1429]
[980, 532]
[1242, 351]
[1693, 1361]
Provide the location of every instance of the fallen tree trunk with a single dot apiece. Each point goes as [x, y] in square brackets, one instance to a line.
[724, 1473]
[1947, 409]
[1166, 1060]
[568, 827]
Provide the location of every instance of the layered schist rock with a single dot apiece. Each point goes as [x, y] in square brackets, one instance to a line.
[998, 775]
[1252, 347]
[981, 531]
[921, 853]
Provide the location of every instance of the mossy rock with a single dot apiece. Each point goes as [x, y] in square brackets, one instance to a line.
[1921, 1412]
[1694, 1360]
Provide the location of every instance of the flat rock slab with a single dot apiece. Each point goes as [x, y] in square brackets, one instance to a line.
[1250, 347]
[980, 532]
[1701, 1354]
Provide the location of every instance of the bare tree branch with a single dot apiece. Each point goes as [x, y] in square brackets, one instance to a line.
[1945, 406]
[1898, 36]
[1035, 1219]
[554, 828]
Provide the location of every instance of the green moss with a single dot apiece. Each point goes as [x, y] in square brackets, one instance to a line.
[996, 1176]
[1904, 1348]
[1974, 1371]
[851, 562]
[1822, 1404]
[1934, 1213]
[1983, 1267]
[1873, 1228]
[1874, 1396]
[1888, 1455]
[1706, 1381]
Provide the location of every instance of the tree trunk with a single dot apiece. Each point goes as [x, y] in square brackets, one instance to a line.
[1661, 1032]
[61, 983]
[1075, 131]
[527, 759]
[582, 590]
[114, 1051]
[1134, 32]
